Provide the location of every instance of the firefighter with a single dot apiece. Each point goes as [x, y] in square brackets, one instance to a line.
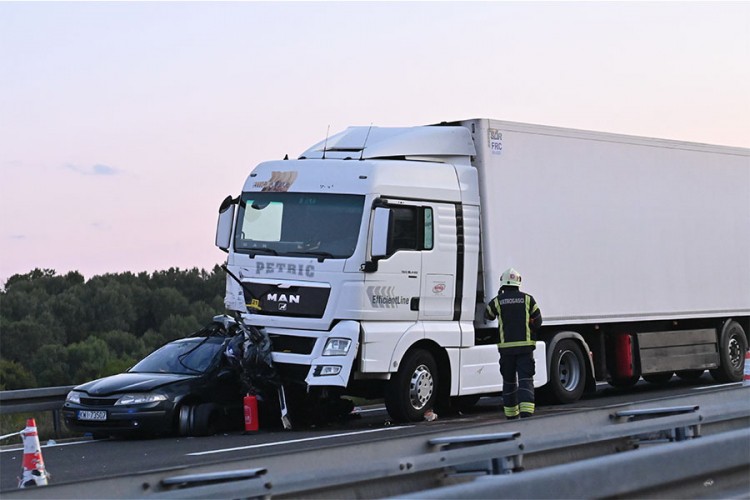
[519, 318]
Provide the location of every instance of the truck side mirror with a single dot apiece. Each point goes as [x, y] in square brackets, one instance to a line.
[380, 228]
[224, 225]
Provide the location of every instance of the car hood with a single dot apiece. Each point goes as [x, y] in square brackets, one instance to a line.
[131, 382]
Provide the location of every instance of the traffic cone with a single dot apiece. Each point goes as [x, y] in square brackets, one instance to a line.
[34, 473]
[746, 381]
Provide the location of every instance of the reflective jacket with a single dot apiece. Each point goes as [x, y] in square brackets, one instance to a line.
[518, 319]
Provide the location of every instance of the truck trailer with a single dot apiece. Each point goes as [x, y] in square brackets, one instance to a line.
[369, 259]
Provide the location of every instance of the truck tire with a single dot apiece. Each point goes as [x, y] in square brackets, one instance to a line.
[413, 390]
[732, 349]
[567, 372]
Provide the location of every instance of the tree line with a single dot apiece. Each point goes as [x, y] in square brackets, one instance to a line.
[63, 330]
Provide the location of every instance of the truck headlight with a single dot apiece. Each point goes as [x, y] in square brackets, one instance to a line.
[337, 347]
[139, 399]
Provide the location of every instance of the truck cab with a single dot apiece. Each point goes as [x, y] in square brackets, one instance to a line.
[361, 257]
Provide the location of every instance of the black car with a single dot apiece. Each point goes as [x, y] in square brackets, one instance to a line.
[185, 387]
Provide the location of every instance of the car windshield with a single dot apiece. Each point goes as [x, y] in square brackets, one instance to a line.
[189, 356]
[320, 225]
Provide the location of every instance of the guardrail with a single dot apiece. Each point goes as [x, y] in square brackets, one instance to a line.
[687, 446]
[715, 464]
[35, 400]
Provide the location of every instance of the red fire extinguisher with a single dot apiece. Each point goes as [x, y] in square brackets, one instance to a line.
[251, 413]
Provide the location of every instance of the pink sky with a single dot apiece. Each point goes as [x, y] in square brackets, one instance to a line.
[123, 125]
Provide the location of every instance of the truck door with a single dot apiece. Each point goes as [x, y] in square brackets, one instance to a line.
[394, 289]
[438, 278]
[419, 267]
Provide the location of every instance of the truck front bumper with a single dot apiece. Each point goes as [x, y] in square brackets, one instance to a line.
[303, 354]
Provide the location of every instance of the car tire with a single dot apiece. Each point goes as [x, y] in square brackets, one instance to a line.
[205, 421]
[186, 420]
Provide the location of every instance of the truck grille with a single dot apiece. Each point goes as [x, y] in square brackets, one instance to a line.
[98, 401]
[292, 344]
[296, 301]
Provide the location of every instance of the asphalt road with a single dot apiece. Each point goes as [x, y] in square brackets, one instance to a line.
[86, 459]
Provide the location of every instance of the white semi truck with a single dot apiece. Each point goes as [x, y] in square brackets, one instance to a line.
[369, 259]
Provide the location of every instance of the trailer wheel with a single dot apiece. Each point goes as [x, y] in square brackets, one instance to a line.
[413, 390]
[732, 349]
[567, 372]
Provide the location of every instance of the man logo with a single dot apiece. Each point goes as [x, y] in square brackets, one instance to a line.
[282, 306]
[275, 297]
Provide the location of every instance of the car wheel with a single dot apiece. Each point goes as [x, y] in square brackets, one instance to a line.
[186, 420]
[205, 421]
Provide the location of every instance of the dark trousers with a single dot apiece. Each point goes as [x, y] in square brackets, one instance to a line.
[518, 383]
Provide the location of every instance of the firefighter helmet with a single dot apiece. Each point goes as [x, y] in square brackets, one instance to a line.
[510, 277]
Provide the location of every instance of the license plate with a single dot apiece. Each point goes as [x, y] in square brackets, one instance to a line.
[92, 415]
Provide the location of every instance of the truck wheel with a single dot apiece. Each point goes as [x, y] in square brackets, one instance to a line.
[413, 390]
[567, 372]
[732, 349]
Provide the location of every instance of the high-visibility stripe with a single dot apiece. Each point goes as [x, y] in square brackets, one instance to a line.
[520, 343]
[528, 339]
[512, 411]
[527, 407]
[500, 320]
[528, 327]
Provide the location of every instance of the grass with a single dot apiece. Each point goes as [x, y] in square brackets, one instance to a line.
[45, 425]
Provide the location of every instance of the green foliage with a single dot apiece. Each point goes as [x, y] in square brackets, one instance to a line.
[13, 376]
[62, 330]
[87, 359]
[51, 364]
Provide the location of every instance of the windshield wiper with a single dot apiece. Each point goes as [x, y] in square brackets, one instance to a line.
[255, 251]
[320, 255]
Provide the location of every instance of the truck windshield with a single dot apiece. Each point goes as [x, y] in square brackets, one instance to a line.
[298, 224]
